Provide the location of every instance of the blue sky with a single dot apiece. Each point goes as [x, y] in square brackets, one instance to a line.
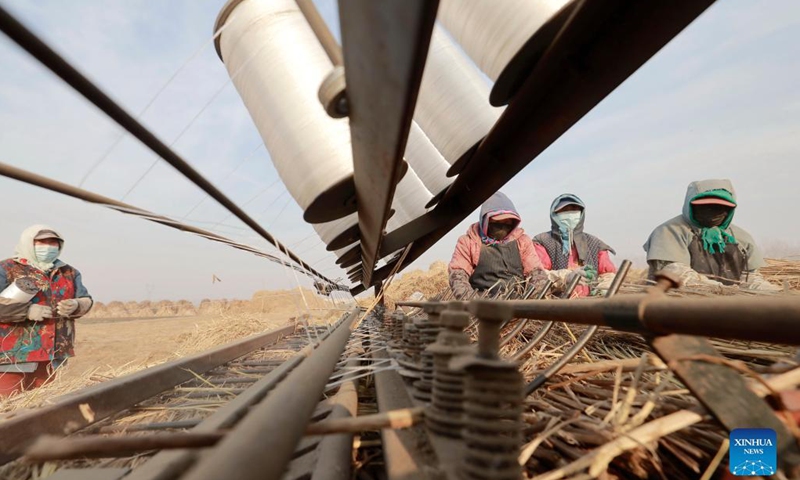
[721, 100]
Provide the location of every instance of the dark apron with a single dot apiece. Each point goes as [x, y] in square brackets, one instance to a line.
[497, 263]
[725, 267]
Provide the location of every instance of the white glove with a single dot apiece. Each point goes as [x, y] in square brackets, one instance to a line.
[37, 312]
[689, 277]
[604, 281]
[754, 281]
[66, 308]
[558, 277]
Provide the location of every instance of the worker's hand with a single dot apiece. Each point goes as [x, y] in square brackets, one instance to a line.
[66, 308]
[459, 284]
[754, 281]
[689, 277]
[37, 312]
[84, 305]
[558, 277]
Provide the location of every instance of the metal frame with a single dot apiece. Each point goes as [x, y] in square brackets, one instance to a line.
[385, 45]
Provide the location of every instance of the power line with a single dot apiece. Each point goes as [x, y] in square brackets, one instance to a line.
[52, 60]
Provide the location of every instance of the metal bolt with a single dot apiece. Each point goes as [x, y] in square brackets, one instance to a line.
[491, 317]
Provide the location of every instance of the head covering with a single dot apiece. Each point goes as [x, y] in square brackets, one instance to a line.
[499, 207]
[25, 250]
[711, 191]
[567, 199]
[566, 235]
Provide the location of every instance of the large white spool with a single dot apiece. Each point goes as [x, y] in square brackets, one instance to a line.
[426, 161]
[504, 37]
[277, 65]
[453, 104]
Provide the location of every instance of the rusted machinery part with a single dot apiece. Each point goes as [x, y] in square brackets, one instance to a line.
[254, 451]
[587, 335]
[119, 394]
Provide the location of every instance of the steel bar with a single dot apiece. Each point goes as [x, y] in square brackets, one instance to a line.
[602, 44]
[587, 335]
[49, 448]
[385, 45]
[257, 452]
[110, 397]
[321, 30]
[81, 194]
[573, 284]
[143, 427]
[402, 449]
[168, 465]
[771, 319]
[69, 74]
[334, 460]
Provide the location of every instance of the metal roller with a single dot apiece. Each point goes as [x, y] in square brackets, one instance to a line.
[453, 107]
[277, 65]
[505, 39]
[427, 162]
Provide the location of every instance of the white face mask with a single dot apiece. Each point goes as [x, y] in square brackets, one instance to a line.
[569, 220]
[46, 253]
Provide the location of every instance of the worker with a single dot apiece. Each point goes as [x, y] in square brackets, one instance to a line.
[37, 334]
[702, 247]
[494, 253]
[566, 250]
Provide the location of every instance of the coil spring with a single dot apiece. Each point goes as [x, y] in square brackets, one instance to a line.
[428, 330]
[411, 343]
[397, 327]
[447, 396]
[492, 428]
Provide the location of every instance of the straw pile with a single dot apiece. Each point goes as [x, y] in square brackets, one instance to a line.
[429, 283]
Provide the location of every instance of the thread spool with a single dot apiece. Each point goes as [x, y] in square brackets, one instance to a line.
[452, 107]
[505, 39]
[426, 161]
[277, 64]
[21, 290]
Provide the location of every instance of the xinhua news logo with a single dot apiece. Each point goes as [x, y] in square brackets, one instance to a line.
[753, 451]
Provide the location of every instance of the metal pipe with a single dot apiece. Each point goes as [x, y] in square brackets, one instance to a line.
[772, 319]
[584, 338]
[69, 74]
[262, 445]
[322, 31]
[334, 457]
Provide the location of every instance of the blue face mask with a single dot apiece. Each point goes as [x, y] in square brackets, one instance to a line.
[46, 253]
[568, 220]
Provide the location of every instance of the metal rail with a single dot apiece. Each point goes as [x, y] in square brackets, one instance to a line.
[108, 398]
[602, 44]
[255, 452]
[385, 45]
[69, 74]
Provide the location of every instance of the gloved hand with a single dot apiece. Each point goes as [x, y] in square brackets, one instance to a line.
[558, 277]
[65, 308]
[37, 312]
[754, 281]
[689, 277]
[459, 284]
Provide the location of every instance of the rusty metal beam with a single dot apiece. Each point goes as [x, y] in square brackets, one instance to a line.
[110, 397]
[602, 44]
[261, 446]
[385, 46]
[772, 319]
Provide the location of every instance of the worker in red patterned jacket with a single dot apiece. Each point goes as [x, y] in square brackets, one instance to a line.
[37, 334]
[494, 252]
[566, 250]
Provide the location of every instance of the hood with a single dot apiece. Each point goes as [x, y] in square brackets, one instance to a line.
[574, 198]
[25, 252]
[708, 188]
[497, 204]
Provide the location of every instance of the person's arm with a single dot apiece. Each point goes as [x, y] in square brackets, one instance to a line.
[689, 277]
[461, 267]
[544, 258]
[78, 306]
[755, 281]
[531, 261]
[604, 263]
